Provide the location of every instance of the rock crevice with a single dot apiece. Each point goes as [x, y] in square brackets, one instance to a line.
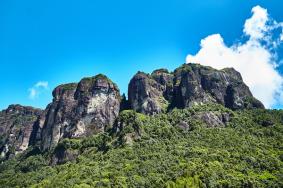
[92, 105]
[189, 85]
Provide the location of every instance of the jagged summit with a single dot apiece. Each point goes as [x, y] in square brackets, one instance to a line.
[81, 109]
[188, 85]
[16, 125]
[93, 105]
[17, 108]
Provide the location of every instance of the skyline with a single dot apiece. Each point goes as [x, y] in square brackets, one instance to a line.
[45, 44]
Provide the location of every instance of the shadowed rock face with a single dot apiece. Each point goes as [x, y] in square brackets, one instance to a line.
[190, 84]
[16, 126]
[150, 94]
[60, 115]
[80, 110]
[92, 105]
[196, 84]
[145, 94]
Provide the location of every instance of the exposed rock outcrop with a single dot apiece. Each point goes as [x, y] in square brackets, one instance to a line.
[190, 84]
[62, 155]
[16, 127]
[213, 119]
[92, 105]
[80, 110]
[150, 94]
[35, 137]
[196, 84]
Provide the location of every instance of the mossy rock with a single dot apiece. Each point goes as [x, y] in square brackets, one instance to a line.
[93, 79]
[70, 86]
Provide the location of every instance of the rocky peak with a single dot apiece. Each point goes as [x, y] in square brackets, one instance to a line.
[62, 92]
[92, 105]
[190, 84]
[16, 126]
[146, 94]
[93, 85]
[162, 76]
[81, 109]
[22, 110]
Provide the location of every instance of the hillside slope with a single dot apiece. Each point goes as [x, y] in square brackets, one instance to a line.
[167, 150]
[194, 127]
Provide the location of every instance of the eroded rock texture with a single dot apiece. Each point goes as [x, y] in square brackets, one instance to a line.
[151, 94]
[92, 105]
[16, 127]
[188, 85]
[80, 110]
[196, 84]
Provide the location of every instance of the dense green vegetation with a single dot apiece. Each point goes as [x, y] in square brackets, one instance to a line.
[155, 152]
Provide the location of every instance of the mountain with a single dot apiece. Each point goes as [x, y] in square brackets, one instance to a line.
[189, 85]
[195, 126]
[16, 129]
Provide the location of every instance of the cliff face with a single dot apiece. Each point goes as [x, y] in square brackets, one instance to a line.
[188, 85]
[81, 109]
[151, 94]
[59, 115]
[16, 126]
[93, 105]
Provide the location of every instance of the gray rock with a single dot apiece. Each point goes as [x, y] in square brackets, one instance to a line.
[16, 126]
[196, 84]
[63, 155]
[189, 85]
[213, 119]
[146, 94]
[184, 126]
[35, 137]
[60, 115]
[80, 110]
[92, 106]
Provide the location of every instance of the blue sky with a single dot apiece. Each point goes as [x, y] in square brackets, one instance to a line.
[62, 41]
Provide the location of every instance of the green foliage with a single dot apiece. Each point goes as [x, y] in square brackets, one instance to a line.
[162, 70]
[32, 163]
[92, 80]
[70, 86]
[99, 142]
[69, 144]
[246, 153]
[95, 78]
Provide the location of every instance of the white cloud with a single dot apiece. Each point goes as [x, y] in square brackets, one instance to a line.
[37, 89]
[254, 58]
[43, 84]
[32, 93]
[255, 27]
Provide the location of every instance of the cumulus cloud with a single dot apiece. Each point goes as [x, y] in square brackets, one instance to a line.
[255, 27]
[37, 89]
[255, 58]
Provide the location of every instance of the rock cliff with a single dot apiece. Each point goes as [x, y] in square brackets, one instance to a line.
[93, 105]
[80, 110]
[16, 126]
[188, 85]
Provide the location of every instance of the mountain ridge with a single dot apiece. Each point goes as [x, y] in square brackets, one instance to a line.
[93, 105]
[194, 127]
